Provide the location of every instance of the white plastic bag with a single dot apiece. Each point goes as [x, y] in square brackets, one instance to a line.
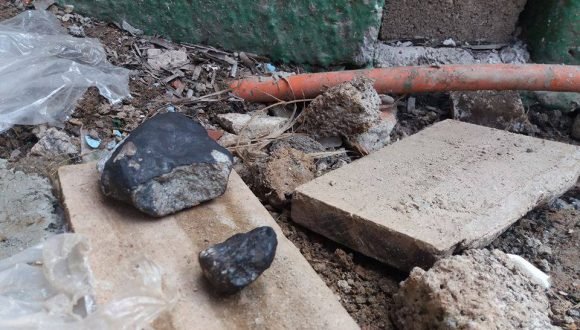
[44, 70]
[49, 286]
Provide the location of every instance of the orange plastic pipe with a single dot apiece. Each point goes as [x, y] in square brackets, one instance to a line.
[417, 79]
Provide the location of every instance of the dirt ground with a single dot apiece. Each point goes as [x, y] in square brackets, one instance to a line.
[365, 286]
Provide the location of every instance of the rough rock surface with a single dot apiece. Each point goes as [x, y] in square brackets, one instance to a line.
[275, 178]
[27, 211]
[478, 290]
[347, 109]
[166, 165]
[250, 126]
[237, 262]
[502, 110]
[350, 110]
[54, 143]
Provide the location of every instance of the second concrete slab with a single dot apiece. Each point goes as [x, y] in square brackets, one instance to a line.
[450, 187]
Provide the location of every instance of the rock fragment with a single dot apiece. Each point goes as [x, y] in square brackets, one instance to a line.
[250, 126]
[350, 110]
[274, 179]
[54, 143]
[237, 262]
[166, 59]
[497, 109]
[166, 165]
[479, 290]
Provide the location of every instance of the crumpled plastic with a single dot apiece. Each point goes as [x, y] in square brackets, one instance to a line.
[49, 286]
[44, 70]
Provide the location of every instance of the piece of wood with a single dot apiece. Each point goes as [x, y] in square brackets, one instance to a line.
[289, 295]
[447, 188]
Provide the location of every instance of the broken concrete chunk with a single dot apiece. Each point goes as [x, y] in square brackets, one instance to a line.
[167, 164]
[447, 188]
[497, 109]
[276, 188]
[54, 143]
[350, 110]
[250, 126]
[166, 59]
[478, 290]
[347, 109]
[236, 263]
[27, 211]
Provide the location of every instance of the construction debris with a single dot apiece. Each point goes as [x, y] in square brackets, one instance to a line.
[447, 188]
[54, 143]
[166, 165]
[289, 295]
[236, 263]
[166, 59]
[502, 110]
[251, 126]
[274, 187]
[27, 213]
[481, 289]
[351, 111]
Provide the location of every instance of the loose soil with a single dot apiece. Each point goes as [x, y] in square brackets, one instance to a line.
[365, 287]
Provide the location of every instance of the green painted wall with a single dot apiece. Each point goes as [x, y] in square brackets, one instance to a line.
[318, 32]
[552, 29]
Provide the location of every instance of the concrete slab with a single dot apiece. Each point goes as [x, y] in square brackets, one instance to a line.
[447, 188]
[288, 295]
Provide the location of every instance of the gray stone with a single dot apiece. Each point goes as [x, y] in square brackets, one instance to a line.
[497, 109]
[478, 290]
[166, 59]
[27, 211]
[250, 126]
[54, 143]
[576, 127]
[376, 137]
[237, 262]
[167, 164]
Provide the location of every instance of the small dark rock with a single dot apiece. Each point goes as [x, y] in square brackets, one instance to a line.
[234, 264]
[167, 164]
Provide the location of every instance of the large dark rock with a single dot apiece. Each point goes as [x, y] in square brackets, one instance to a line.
[167, 164]
[232, 265]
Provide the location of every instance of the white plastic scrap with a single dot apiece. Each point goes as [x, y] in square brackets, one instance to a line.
[533, 273]
[44, 70]
[49, 286]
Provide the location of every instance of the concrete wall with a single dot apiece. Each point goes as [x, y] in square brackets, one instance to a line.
[305, 31]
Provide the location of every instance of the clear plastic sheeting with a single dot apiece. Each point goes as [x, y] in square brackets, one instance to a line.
[44, 70]
[49, 286]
